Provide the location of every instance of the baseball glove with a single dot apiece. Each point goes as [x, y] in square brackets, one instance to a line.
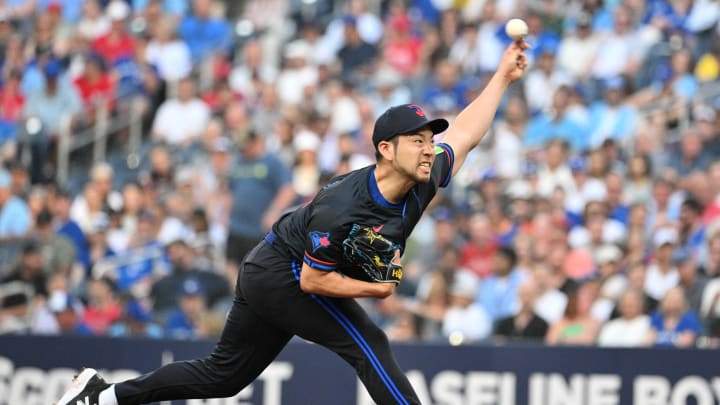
[371, 255]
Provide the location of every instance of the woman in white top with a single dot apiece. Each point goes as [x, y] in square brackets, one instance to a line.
[93, 23]
[632, 328]
[508, 150]
[167, 53]
[638, 185]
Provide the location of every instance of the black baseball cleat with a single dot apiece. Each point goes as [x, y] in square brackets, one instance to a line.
[84, 389]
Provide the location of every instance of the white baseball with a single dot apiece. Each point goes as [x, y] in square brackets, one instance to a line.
[516, 28]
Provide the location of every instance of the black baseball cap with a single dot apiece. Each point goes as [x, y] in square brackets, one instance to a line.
[404, 119]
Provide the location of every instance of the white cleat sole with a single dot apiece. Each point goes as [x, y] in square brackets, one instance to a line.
[77, 386]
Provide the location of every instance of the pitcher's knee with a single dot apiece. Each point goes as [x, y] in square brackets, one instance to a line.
[224, 380]
[376, 337]
[225, 391]
[225, 386]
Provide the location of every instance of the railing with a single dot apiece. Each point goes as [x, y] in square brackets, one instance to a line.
[97, 136]
[707, 92]
[63, 149]
[105, 126]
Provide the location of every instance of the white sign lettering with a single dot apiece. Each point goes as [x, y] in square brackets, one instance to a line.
[657, 390]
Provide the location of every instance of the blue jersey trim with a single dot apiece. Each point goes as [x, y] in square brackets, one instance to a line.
[377, 196]
[451, 162]
[270, 237]
[343, 320]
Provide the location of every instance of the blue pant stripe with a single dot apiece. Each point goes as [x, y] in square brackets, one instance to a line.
[355, 334]
[368, 351]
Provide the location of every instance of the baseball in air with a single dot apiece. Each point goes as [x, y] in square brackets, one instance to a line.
[516, 28]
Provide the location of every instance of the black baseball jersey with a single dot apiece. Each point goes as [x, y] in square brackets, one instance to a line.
[352, 203]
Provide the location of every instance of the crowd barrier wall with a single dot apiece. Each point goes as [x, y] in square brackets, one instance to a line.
[34, 370]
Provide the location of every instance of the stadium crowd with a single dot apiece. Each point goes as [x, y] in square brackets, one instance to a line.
[590, 213]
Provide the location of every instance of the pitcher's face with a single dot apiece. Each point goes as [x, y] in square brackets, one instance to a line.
[414, 156]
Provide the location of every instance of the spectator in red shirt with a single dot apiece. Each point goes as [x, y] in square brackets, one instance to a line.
[478, 252]
[402, 49]
[712, 210]
[95, 85]
[220, 96]
[11, 99]
[103, 308]
[118, 43]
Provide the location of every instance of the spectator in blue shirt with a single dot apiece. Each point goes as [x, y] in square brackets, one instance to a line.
[597, 16]
[68, 314]
[70, 229]
[55, 100]
[184, 265]
[682, 82]
[426, 9]
[666, 15]
[613, 117]
[692, 157]
[174, 7]
[538, 35]
[136, 322]
[203, 34]
[15, 217]
[356, 56]
[184, 322]
[52, 98]
[8, 135]
[692, 229]
[143, 262]
[261, 190]
[447, 93]
[558, 124]
[614, 184]
[33, 73]
[674, 325]
[498, 293]
[135, 78]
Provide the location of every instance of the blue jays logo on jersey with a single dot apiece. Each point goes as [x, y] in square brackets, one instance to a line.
[319, 239]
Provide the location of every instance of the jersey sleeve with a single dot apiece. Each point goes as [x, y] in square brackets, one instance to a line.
[443, 165]
[323, 241]
[439, 176]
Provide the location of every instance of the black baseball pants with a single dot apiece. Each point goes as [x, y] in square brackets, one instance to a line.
[270, 308]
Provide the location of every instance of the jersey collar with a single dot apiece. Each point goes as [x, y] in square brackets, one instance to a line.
[377, 196]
